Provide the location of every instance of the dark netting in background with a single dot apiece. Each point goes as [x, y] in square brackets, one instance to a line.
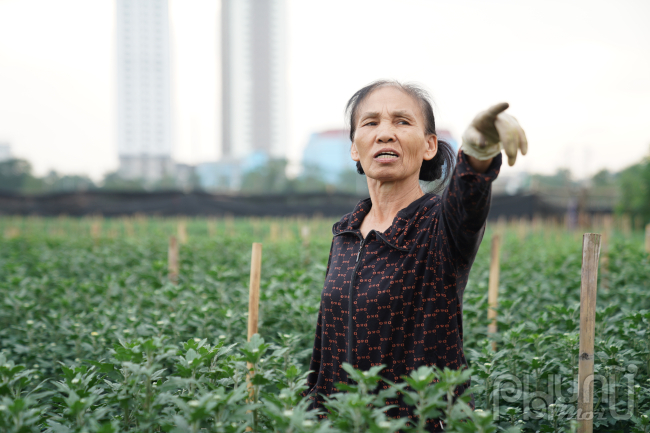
[170, 203]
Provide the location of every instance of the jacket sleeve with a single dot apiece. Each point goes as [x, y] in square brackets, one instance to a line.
[465, 207]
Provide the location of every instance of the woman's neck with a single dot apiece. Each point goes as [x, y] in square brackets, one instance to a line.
[388, 198]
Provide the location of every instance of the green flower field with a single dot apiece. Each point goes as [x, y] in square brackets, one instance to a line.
[94, 337]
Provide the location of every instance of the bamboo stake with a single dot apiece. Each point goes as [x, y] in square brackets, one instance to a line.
[493, 287]
[255, 222]
[522, 228]
[182, 232]
[588, 285]
[286, 231]
[502, 224]
[638, 223]
[536, 224]
[172, 260]
[274, 232]
[254, 291]
[254, 299]
[647, 238]
[212, 227]
[12, 232]
[96, 229]
[604, 260]
[229, 220]
[128, 227]
[304, 233]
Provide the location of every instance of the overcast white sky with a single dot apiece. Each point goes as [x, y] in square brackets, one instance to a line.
[576, 73]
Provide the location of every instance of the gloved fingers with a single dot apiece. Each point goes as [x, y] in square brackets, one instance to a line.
[497, 109]
[511, 146]
[484, 121]
[512, 159]
[508, 128]
[523, 141]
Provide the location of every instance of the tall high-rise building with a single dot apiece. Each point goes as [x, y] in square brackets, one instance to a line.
[143, 89]
[253, 47]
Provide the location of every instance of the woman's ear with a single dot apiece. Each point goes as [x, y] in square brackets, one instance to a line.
[354, 153]
[431, 147]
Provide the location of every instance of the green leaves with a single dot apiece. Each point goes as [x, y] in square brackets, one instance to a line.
[21, 414]
[98, 321]
[13, 378]
[254, 349]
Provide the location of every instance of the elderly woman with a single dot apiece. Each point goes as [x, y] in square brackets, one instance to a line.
[399, 261]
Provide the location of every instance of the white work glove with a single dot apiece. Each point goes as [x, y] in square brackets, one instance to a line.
[493, 130]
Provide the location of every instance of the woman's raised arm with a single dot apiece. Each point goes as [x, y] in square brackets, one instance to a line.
[466, 201]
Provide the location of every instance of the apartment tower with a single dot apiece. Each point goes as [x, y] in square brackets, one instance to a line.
[143, 89]
[253, 53]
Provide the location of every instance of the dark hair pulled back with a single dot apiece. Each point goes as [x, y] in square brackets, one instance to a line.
[440, 167]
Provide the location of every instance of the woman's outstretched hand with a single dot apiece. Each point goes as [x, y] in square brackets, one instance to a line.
[493, 130]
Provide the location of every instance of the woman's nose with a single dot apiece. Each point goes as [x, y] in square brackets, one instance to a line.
[385, 134]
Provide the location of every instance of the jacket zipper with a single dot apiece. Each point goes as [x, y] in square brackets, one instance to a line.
[351, 305]
[351, 292]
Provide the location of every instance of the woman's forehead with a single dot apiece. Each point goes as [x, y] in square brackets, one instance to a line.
[391, 99]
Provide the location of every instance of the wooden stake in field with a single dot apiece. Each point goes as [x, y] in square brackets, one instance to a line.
[255, 222]
[229, 221]
[12, 232]
[493, 288]
[212, 227]
[254, 290]
[522, 228]
[304, 234]
[647, 238]
[588, 286]
[274, 232]
[172, 260]
[254, 296]
[128, 227]
[96, 229]
[182, 232]
[604, 259]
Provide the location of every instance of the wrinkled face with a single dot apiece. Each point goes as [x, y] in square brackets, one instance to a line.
[390, 139]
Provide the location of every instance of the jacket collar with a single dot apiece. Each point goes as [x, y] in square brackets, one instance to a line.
[399, 233]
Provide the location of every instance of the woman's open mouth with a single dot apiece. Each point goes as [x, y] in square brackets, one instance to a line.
[386, 155]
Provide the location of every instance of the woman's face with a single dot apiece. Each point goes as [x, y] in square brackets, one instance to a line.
[390, 139]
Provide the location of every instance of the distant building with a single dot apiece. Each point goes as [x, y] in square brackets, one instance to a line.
[227, 174]
[5, 151]
[329, 151]
[253, 55]
[143, 90]
[223, 175]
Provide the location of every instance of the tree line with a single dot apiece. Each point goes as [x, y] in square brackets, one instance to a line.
[16, 176]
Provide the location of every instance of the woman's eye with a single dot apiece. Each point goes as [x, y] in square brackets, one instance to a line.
[370, 124]
[404, 122]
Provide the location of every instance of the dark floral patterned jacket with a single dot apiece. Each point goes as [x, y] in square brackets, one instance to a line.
[406, 283]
